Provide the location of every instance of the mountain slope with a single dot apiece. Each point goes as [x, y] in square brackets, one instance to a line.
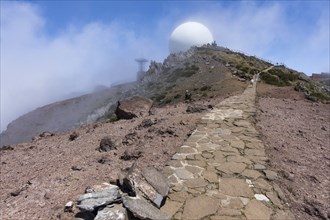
[207, 71]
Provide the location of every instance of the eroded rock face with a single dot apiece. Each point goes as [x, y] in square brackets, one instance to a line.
[142, 209]
[133, 107]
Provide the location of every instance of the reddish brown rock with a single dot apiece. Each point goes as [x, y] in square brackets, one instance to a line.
[133, 107]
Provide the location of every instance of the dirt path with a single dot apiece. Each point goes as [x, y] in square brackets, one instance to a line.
[221, 171]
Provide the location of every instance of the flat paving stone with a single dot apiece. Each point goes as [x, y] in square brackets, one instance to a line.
[179, 196]
[195, 183]
[237, 144]
[281, 214]
[255, 152]
[242, 123]
[257, 210]
[238, 159]
[199, 163]
[183, 174]
[251, 174]
[270, 175]
[194, 169]
[235, 187]
[171, 207]
[187, 150]
[274, 199]
[212, 177]
[199, 207]
[223, 217]
[262, 184]
[231, 167]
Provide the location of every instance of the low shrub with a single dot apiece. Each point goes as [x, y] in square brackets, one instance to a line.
[206, 87]
[271, 79]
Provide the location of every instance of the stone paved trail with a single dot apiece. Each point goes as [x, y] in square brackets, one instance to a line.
[221, 171]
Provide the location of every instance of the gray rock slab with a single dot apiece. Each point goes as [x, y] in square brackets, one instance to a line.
[156, 180]
[112, 212]
[90, 201]
[263, 184]
[271, 175]
[136, 183]
[91, 204]
[199, 207]
[274, 199]
[142, 209]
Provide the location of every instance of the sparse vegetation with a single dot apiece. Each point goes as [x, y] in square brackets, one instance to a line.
[113, 118]
[313, 91]
[271, 79]
[205, 88]
[177, 96]
[158, 98]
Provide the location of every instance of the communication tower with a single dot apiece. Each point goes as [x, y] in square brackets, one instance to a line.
[141, 62]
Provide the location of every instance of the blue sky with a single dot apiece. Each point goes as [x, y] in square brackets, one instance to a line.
[51, 50]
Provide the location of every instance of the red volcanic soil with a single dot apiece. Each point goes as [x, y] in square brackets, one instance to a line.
[39, 178]
[296, 134]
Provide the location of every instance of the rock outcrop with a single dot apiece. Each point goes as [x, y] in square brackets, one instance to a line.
[140, 194]
[133, 107]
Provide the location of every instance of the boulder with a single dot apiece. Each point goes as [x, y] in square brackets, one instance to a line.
[132, 107]
[103, 195]
[107, 144]
[131, 154]
[142, 209]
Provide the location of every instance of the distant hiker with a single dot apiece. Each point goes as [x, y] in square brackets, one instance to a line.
[187, 96]
[251, 82]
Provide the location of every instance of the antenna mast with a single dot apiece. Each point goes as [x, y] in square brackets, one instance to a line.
[141, 72]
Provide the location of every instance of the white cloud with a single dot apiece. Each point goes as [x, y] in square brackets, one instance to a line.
[37, 69]
[266, 30]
